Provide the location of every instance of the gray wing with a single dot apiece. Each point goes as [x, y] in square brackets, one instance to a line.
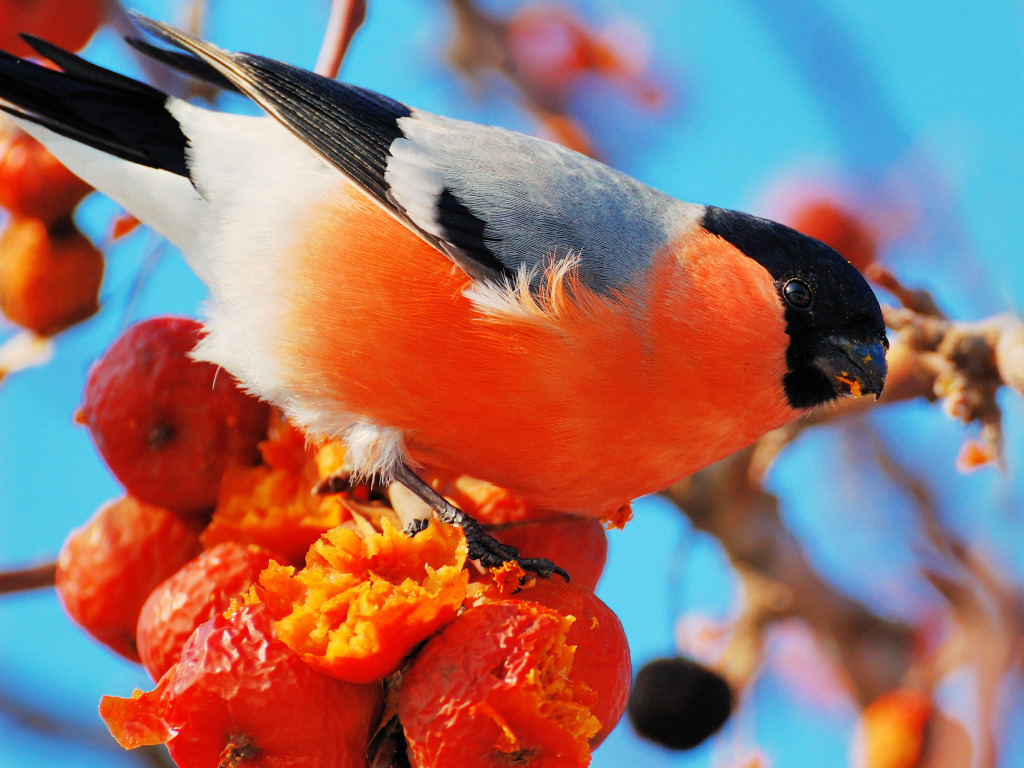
[515, 201]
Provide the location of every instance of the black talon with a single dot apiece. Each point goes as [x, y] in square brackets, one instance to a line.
[482, 546]
[416, 526]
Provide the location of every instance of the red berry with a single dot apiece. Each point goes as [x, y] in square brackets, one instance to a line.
[894, 729]
[202, 588]
[53, 20]
[33, 183]
[107, 569]
[240, 697]
[602, 659]
[49, 276]
[578, 544]
[493, 690]
[838, 228]
[166, 425]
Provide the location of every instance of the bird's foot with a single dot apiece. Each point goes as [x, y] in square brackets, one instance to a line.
[482, 546]
[339, 482]
[342, 481]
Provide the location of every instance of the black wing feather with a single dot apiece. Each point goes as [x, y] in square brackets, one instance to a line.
[183, 62]
[466, 231]
[351, 127]
[95, 106]
[368, 123]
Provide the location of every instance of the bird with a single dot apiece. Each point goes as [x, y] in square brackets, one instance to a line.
[435, 292]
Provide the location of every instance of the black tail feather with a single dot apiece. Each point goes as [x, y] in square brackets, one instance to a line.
[93, 105]
[73, 64]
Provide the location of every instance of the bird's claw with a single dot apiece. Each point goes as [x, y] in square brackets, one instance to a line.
[482, 546]
[494, 554]
[416, 526]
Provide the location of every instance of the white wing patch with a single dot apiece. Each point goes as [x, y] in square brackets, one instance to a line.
[416, 184]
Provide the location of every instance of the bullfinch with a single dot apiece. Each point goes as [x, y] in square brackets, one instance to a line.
[438, 292]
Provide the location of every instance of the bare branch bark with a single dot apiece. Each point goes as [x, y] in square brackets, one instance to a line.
[727, 501]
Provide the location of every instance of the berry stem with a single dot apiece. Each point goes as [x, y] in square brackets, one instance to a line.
[28, 578]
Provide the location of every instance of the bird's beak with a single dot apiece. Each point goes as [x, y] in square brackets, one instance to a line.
[854, 367]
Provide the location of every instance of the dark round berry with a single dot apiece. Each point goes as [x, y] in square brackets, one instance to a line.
[678, 703]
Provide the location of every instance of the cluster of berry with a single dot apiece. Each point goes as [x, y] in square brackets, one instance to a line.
[286, 617]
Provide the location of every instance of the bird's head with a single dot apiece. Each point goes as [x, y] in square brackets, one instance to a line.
[836, 332]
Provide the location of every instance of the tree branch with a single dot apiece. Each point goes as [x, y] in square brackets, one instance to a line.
[727, 501]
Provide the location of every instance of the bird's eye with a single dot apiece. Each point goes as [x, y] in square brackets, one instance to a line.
[797, 294]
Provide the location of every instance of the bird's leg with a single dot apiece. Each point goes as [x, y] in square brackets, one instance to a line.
[482, 546]
[339, 482]
[343, 482]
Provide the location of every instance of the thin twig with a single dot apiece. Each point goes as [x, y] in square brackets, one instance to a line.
[481, 44]
[346, 17]
[24, 579]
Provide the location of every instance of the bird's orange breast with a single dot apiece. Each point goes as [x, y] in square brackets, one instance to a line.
[584, 406]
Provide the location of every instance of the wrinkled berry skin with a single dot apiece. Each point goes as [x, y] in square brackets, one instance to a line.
[240, 697]
[166, 425]
[493, 690]
[202, 588]
[602, 659]
[108, 568]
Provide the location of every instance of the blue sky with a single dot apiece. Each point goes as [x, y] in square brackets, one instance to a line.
[895, 103]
